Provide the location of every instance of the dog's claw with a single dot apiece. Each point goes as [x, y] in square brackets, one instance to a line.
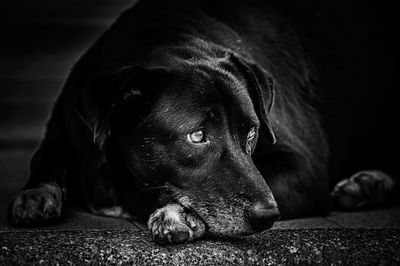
[365, 188]
[172, 224]
[191, 222]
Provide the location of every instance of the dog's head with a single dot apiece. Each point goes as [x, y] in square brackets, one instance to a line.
[190, 129]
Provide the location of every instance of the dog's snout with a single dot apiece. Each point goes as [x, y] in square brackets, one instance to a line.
[262, 217]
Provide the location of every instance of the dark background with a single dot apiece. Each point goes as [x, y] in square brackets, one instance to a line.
[40, 41]
[355, 42]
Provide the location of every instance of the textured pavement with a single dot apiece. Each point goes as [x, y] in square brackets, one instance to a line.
[302, 246]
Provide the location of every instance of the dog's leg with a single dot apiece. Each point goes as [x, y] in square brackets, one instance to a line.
[364, 189]
[173, 224]
[41, 199]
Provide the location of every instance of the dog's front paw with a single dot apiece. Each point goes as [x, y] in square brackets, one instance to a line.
[363, 189]
[36, 206]
[173, 224]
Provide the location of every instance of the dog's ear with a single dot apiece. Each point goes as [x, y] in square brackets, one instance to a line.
[261, 90]
[96, 104]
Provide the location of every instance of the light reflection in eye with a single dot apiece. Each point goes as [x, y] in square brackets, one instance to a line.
[196, 137]
[250, 137]
[251, 133]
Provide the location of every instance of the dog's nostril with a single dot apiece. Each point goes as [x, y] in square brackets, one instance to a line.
[262, 217]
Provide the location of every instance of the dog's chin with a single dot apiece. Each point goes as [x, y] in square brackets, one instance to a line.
[224, 223]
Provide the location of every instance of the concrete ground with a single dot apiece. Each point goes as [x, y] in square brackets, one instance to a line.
[299, 246]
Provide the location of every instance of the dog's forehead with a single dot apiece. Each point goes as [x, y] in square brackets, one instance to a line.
[184, 111]
[201, 94]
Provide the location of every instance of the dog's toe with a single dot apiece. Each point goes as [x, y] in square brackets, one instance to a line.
[363, 189]
[35, 206]
[172, 224]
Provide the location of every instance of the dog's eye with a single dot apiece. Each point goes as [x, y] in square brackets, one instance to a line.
[196, 137]
[251, 134]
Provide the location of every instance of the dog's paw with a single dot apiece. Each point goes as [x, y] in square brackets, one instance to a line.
[363, 189]
[36, 206]
[173, 224]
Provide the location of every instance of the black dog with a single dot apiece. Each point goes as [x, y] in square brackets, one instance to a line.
[198, 113]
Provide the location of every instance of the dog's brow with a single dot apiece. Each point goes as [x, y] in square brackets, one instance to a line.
[191, 122]
[181, 120]
[242, 106]
[231, 88]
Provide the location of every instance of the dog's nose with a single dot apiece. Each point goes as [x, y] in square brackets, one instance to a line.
[262, 217]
